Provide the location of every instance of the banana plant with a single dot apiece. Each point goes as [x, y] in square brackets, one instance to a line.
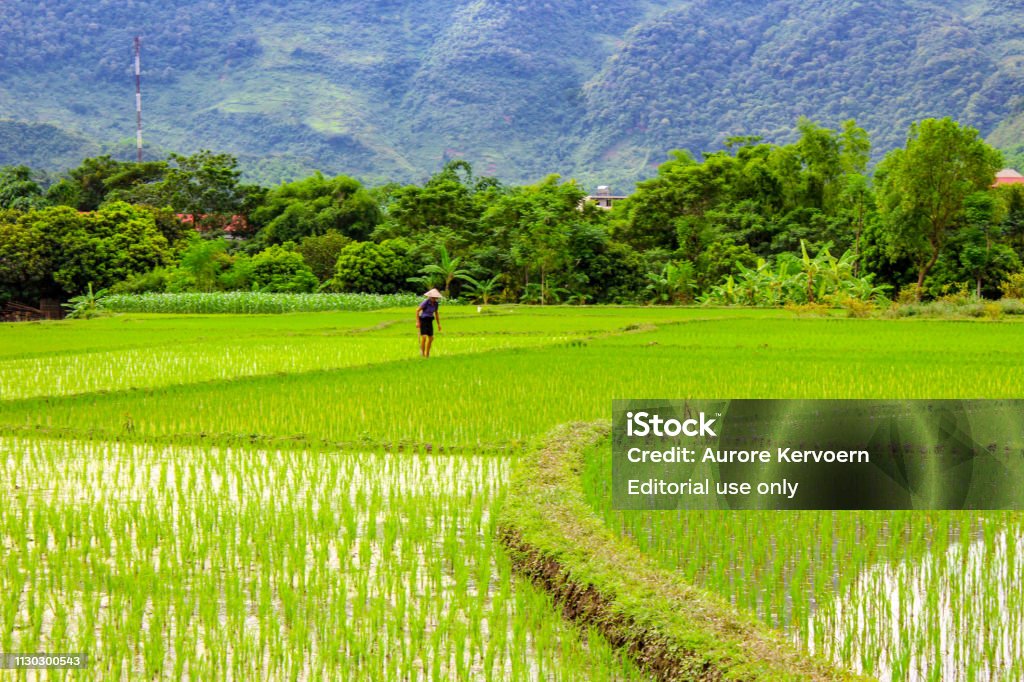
[481, 291]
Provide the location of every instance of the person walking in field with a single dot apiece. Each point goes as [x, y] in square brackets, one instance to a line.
[425, 315]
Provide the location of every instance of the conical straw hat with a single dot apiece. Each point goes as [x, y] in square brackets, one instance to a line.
[434, 293]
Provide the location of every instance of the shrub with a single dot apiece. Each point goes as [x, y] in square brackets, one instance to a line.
[154, 281]
[993, 311]
[277, 270]
[1012, 306]
[808, 309]
[1013, 286]
[955, 294]
[239, 276]
[907, 295]
[366, 267]
[855, 307]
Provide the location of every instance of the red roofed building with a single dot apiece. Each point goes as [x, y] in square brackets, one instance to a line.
[1008, 176]
[234, 226]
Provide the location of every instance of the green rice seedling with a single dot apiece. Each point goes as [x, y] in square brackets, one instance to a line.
[244, 563]
[506, 397]
[261, 497]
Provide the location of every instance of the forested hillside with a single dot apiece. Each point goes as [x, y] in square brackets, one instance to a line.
[392, 89]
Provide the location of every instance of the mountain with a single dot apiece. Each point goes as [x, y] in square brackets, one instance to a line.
[390, 90]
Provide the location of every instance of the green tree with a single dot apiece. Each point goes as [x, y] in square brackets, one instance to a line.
[203, 260]
[975, 253]
[544, 231]
[103, 247]
[1011, 200]
[719, 260]
[102, 178]
[19, 190]
[320, 252]
[367, 267]
[204, 186]
[453, 198]
[315, 206]
[675, 203]
[26, 260]
[922, 188]
[277, 269]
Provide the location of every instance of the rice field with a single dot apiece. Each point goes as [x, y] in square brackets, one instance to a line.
[897, 595]
[300, 496]
[217, 563]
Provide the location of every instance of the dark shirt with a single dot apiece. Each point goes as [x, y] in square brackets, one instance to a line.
[428, 308]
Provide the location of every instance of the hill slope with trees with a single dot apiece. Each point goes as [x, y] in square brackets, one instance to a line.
[597, 91]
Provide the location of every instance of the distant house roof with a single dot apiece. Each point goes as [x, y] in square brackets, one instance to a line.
[604, 197]
[1008, 176]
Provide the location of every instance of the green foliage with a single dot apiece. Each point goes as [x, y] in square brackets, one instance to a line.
[674, 284]
[18, 189]
[683, 232]
[204, 185]
[720, 259]
[87, 305]
[446, 269]
[315, 206]
[101, 178]
[974, 253]
[922, 189]
[278, 270]
[543, 233]
[481, 291]
[25, 260]
[203, 260]
[797, 281]
[366, 267]
[321, 252]
[57, 249]
[453, 199]
[154, 281]
[765, 196]
[1013, 286]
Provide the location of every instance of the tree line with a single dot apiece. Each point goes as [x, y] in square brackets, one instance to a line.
[755, 223]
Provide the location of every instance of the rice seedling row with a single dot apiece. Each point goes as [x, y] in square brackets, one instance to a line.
[221, 563]
[510, 396]
[68, 374]
[903, 595]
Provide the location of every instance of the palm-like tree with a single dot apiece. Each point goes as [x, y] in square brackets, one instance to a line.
[481, 290]
[447, 268]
